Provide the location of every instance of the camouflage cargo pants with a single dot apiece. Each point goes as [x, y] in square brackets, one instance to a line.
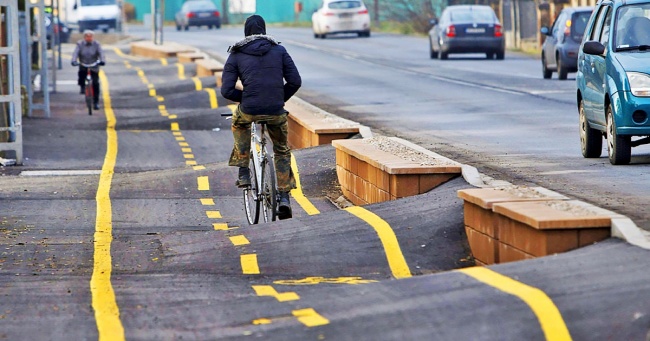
[276, 126]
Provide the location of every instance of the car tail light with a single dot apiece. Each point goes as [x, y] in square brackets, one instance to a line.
[498, 31]
[451, 31]
[216, 13]
[328, 14]
[365, 11]
[190, 15]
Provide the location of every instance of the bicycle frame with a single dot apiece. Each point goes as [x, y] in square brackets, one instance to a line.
[88, 86]
[265, 191]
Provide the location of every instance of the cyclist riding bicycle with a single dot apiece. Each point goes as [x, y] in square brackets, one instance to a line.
[88, 51]
[263, 66]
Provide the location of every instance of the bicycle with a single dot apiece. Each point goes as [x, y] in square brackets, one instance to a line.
[88, 86]
[262, 195]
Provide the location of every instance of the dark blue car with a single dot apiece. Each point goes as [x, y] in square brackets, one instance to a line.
[560, 48]
[613, 79]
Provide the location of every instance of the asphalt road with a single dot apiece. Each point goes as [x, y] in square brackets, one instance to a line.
[142, 249]
[499, 116]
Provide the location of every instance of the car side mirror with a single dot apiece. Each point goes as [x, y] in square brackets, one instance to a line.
[593, 47]
[545, 31]
[433, 22]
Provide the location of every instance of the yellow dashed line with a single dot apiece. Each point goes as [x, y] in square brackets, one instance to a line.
[174, 126]
[177, 133]
[222, 227]
[107, 313]
[249, 264]
[183, 144]
[297, 194]
[213, 98]
[180, 138]
[163, 61]
[207, 201]
[388, 239]
[160, 98]
[267, 290]
[204, 183]
[171, 117]
[310, 318]
[162, 107]
[188, 156]
[197, 83]
[190, 162]
[186, 150]
[547, 313]
[239, 240]
[181, 71]
[213, 214]
[152, 92]
[197, 167]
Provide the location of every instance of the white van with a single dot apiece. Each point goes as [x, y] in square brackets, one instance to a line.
[92, 14]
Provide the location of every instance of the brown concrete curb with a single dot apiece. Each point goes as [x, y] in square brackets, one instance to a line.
[166, 50]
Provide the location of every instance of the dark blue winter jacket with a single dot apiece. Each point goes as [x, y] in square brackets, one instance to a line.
[263, 67]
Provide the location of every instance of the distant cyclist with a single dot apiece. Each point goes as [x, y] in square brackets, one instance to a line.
[88, 51]
[263, 66]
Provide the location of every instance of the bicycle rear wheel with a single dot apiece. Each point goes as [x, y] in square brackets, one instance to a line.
[269, 189]
[251, 197]
[89, 98]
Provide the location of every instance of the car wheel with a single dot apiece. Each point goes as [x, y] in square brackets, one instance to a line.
[187, 27]
[489, 55]
[561, 70]
[433, 54]
[501, 55]
[619, 147]
[210, 27]
[591, 140]
[545, 71]
[178, 27]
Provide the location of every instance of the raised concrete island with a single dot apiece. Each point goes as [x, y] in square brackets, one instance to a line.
[150, 50]
[378, 169]
[310, 126]
[516, 223]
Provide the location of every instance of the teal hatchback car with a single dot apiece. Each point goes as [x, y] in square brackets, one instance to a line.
[613, 79]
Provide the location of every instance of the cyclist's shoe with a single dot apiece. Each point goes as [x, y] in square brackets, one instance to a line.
[82, 90]
[96, 106]
[284, 206]
[244, 177]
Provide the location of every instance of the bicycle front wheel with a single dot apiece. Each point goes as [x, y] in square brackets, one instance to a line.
[269, 189]
[251, 197]
[89, 98]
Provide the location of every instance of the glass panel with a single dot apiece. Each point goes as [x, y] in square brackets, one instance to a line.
[4, 25]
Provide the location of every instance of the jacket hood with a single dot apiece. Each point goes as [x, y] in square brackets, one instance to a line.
[254, 25]
[258, 44]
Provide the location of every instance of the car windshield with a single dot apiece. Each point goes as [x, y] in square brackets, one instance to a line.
[97, 2]
[579, 22]
[632, 26]
[472, 15]
[200, 6]
[344, 4]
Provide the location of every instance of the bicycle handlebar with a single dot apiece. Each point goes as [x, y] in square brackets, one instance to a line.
[91, 65]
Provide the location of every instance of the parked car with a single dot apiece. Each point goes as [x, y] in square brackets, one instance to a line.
[467, 29]
[341, 16]
[198, 13]
[613, 79]
[560, 48]
[52, 29]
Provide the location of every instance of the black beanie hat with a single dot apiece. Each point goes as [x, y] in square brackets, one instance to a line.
[254, 25]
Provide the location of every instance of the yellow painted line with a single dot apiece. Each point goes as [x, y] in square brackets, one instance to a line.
[204, 183]
[150, 86]
[297, 194]
[163, 61]
[188, 156]
[232, 107]
[310, 318]
[152, 92]
[197, 83]
[261, 321]
[186, 150]
[213, 98]
[547, 313]
[181, 71]
[162, 107]
[198, 167]
[190, 162]
[171, 117]
[160, 98]
[388, 239]
[177, 133]
[267, 290]
[249, 264]
[207, 201]
[183, 144]
[123, 55]
[140, 72]
[239, 240]
[107, 313]
[213, 214]
[174, 126]
[180, 138]
[222, 227]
